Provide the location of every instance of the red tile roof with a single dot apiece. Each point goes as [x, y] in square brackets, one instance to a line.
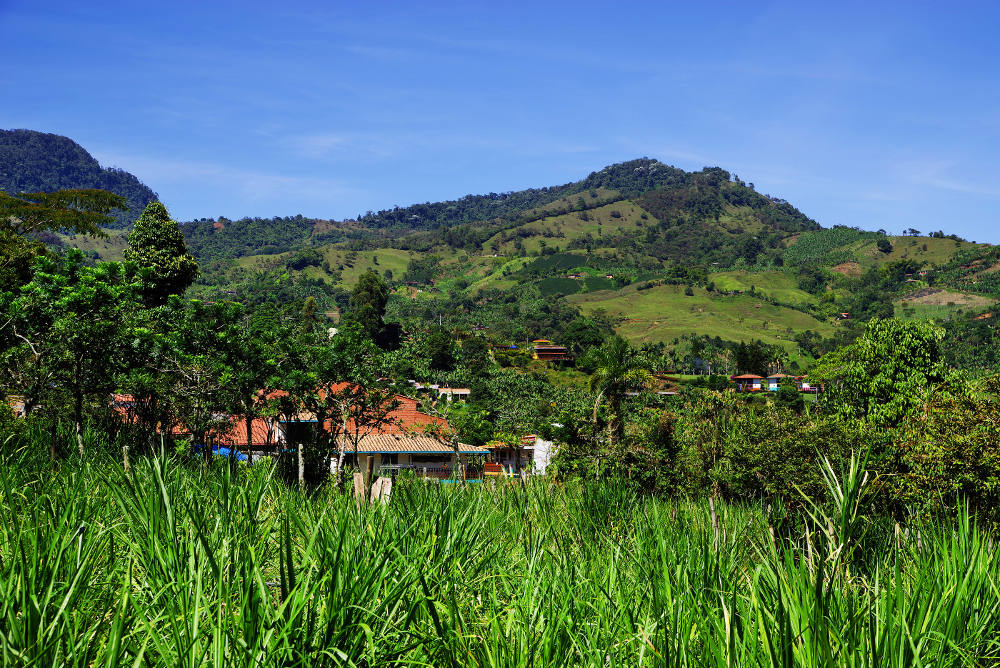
[404, 419]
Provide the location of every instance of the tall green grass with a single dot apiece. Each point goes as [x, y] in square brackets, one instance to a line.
[172, 564]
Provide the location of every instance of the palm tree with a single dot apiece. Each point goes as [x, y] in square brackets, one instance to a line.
[620, 369]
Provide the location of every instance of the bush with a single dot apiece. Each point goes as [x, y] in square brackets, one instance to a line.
[308, 257]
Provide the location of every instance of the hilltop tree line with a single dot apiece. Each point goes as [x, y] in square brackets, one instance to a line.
[33, 162]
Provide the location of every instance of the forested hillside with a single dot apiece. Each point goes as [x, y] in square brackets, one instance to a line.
[33, 161]
[654, 252]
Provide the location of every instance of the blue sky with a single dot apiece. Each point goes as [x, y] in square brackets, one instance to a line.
[868, 114]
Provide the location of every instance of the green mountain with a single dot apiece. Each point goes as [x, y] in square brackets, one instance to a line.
[658, 253]
[39, 162]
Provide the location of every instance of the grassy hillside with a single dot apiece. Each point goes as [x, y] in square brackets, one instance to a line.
[937, 304]
[663, 313]
[108, 248]
[598, 224]
[779, 285]
[854, 251]
[625, 241]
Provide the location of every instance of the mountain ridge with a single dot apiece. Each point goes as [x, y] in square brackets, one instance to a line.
[33, 161]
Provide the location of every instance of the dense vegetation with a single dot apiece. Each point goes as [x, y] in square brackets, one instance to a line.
[171, 564]
[604, 246]
[695, 526]
[39, 162]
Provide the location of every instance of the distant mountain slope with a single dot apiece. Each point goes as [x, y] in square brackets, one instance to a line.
[33, 161]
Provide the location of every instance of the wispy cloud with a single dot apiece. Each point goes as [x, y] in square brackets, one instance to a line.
[250, 184]
[941, 174]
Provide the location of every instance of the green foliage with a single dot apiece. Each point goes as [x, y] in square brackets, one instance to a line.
[789, 397]
[772, 453]
[211, 239]
[883, 376]
[757, 357]
[825, 247]
[32, 162]
[368, 301]
[440, 349]
[421, 270]
[27, 217]
[63, 333]
[171, 565]
[972, 342]
[558, 286]
[476, 355]
[618, 370]
[950, 453]
[583, 334]
[307, 257]
[157, 247]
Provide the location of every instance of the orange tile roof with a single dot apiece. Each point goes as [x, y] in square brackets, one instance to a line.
[236, 433]
[407, 444]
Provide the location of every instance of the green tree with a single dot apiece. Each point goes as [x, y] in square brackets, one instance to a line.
[200, 362]
[618, 369]
[251, 355]
[25, 216]
[582, 334]
[476, 356]
[884, 375]
[439, 347]
[66, 328]
[157, 247]
[788, 396]
[368, 301]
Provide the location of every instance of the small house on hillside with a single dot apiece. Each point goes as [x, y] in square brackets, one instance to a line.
[805, 386]
[546, 351]
[775, 381]
[513, 460]
[748, 382]
[457, 393]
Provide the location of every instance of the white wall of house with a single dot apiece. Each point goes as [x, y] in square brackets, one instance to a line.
[544, 452]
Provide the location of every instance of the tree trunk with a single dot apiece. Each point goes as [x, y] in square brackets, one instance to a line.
[458, 459]
[341, 453]
[249, 421]
[600, 395]
[78, 420]
[53, 438]
[302, 465]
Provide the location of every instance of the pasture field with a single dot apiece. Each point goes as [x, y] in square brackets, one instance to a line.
[937, 304]
[603, 221]
[108, 248]
[779, 285]
[176, 564]
[664, 312]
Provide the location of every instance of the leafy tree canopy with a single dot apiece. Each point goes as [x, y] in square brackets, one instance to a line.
[885, 374]
[157, 245]
[24, 217]
[368, 301]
